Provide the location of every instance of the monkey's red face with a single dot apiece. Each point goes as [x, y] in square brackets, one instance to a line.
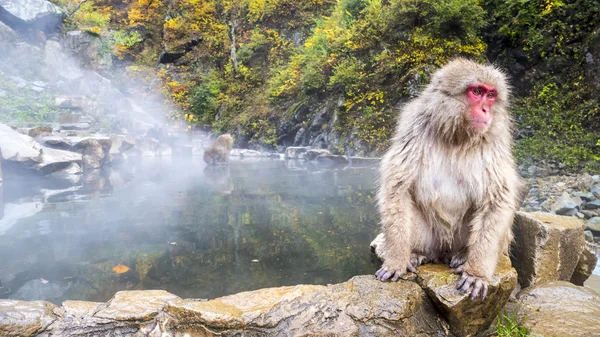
[481, 98]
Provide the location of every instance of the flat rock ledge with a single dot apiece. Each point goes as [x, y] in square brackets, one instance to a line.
[361, 306]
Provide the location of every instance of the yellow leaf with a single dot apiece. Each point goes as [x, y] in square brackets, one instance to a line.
[120, 269]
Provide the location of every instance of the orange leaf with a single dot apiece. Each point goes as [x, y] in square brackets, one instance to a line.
[120, 269]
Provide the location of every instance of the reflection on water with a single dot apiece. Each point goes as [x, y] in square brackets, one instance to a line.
[194, 231]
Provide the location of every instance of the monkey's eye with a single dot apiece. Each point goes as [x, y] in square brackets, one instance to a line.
[491, 95]
[477, 91]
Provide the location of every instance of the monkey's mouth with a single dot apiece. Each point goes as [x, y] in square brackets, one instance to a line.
[479, 124]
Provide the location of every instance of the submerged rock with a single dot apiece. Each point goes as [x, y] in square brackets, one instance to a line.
[559, 309]
[546, 248]
[467, 317]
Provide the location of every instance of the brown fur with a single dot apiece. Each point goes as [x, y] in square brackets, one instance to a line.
[449, 192]
[218, 152]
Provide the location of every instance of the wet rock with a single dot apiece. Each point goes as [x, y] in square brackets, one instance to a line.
[546, 247]
[585, 266]
[312, 154]
[38, 14]
[20, 318]
[362, 306]
[121, 143]
[366, 162]
[559, 309]
[566, 205]
[467, 317]
[331, 160]
[24, 152]
[244, 153]
[75, 126]
[592, 205]
[293, 152]
[594, 224]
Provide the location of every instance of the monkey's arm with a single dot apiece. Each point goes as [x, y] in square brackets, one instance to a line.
[489, 230]
[397, 210]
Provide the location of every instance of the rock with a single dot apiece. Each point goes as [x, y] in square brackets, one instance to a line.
[7, 34]
[34, 132]
[148, 147]
[165, 150]
[594, 224]
[585, 266]
[364, 162]
[26, 153]
[589, 237]
[588, 214]
[20, 318]
[75, 126]
[58, 64]
[1, 180]
[37, 89]
[596, 178]
[38, 14]
[135, 305]
[595, 190]
[565, 204]
[331, 160]
[592, 205]
[546, 247]
[244, 153]
[95, 149]
[293, 152]
[467, 317]
[362, 306]
[559, 309]
[585, 196]
[312, 154]
[18, 81]
[121, 143]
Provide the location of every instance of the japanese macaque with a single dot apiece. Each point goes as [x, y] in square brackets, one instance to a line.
[448, 183]
[218, 152]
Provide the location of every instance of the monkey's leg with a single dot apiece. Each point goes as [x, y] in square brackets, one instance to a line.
[418, 259]
[488, 231]
[458, 259]
[397, 216]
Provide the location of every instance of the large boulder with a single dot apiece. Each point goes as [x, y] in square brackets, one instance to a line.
[293, 152]
[559, 309]
[466, 317]
[94, 149]
[547, 247]
[362, 306]
[24, 152]
[585, 266]
[27, 14]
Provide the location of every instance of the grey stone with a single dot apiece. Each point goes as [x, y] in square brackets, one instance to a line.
[364, 162]
[37, 89]
[25, 152]
[585, 266]
[592, 205]
[596, 190]
[594, 224]
[565, 204]
[293, 152]
[546, 247]
[18, 81]
[312, 154]
[589, 237]
[3, 93]
[559, 309]
[75, 126]
[121, 143]
[332, 160]
[585, 196]
[7, 34]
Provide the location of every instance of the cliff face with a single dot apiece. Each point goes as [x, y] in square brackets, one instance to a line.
[333, 74]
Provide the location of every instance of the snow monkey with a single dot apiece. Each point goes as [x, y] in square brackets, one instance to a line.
[218, 152]
[448, 183]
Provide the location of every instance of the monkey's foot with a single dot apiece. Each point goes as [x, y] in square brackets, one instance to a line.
[458, 260]
[480, 285]
[417, 260]
[386, 273]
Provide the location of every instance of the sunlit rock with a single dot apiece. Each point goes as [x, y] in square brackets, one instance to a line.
[362, 306]
[20, 318]
[559, 309]
[585, 266]
[25, 153]
[467, 317]
[546, 248]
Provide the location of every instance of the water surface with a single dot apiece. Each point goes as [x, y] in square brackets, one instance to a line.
[192, 231]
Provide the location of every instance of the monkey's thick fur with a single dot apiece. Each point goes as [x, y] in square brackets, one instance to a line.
[448, 192]
[218, 152]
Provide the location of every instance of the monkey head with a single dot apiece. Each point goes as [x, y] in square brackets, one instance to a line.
[469, 97]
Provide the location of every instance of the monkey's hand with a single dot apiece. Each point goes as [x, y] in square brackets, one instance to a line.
[390, 270]
[480, 284]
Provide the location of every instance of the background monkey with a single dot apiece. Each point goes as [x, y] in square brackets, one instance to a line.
[218, 152]
[448, 184]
